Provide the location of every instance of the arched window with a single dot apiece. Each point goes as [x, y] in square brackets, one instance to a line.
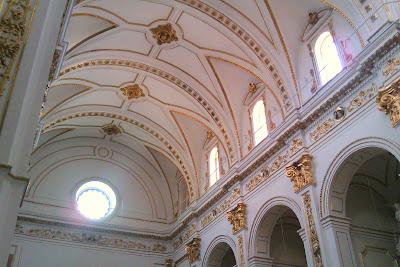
[327, 57]
[214, 166]
[260, 130]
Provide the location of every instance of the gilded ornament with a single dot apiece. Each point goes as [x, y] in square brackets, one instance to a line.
[169, 263]
[389, 102]
[300, 172]
[241, 250]
[12, 32]
[296, 145]
[252, 88]
[391, 66]
[132, 91]
[164, 34]
[111, 129]
[316, 249]
[237, 217]
[193, 249]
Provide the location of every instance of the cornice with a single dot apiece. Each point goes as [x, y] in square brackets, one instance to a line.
[15, 177]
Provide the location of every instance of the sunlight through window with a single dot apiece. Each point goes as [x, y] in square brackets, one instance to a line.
[260, 130]
[327, 57]
[214, 166]
[95, 200]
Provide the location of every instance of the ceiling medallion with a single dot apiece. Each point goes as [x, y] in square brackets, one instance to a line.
[111, 129]
[132, 91]
[164, 34]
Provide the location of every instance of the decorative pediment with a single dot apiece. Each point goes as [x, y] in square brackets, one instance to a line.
[388, 101]
[237, 217]
[300, 172]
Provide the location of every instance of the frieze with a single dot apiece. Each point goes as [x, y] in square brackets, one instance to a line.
[391, 66]
[185, 236]
[355, 103]
[88, 238]
[210, 217]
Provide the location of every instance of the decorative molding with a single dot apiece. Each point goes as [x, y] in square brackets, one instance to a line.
[165, 75]
[133, 91]
[249, 41]
[206, 220]
[238, 217]
[164, 34]
[241, 250]
[185, 236]
[111, 129]
[13, 28]
[357, 102]
[391, 66]
[193, 249]
[300, 172]
[388, 101]
[296, 145]
[144, 127]
[87, 238]
[316, 249]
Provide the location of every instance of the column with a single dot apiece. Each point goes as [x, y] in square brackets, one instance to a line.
[29, 31]
[11, 192]
[338, 241]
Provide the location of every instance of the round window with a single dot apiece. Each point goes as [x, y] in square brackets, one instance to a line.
[95, 200]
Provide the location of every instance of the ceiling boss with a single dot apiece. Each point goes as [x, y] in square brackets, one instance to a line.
[164, 34]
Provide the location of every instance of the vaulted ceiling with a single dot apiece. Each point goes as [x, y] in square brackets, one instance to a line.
[144, 85]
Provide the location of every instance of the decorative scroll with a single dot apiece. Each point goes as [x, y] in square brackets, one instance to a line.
[221, 208]
[185, 236]
[316, 249]
[300, 172]
[391, 66]
[237, 217]
[358, 101]
[389, 102]
[164, 34]
[132, 91]
[193, 249]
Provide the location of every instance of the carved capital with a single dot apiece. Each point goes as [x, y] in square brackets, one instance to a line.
[193, 249]
[388, 101]
[300, 172]
[237, 217]
[164, 34]
[132, 91]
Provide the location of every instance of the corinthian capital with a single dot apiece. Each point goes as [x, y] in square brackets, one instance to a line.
[300, 172]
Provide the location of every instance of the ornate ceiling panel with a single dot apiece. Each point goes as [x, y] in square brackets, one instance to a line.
[149, 80]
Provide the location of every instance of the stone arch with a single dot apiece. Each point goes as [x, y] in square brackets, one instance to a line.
[346, 163]
[217, 249]
[268, 215]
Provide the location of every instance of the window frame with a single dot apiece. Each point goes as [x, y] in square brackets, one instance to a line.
[326, 27]
[215, 145]
[251, 109]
